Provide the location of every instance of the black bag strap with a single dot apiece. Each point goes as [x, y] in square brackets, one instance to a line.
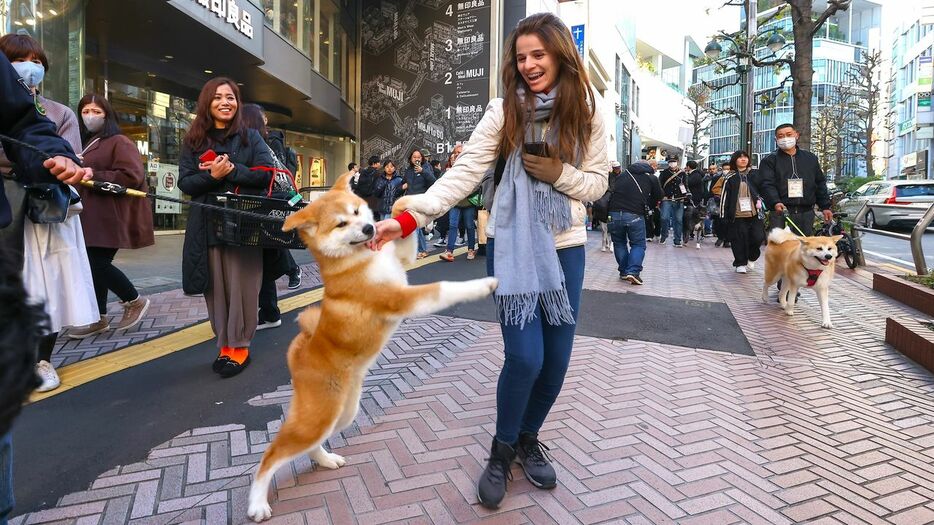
[498, 171]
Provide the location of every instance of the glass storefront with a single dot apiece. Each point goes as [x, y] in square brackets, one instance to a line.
[155, 112]
[321, 158]
[58, 25]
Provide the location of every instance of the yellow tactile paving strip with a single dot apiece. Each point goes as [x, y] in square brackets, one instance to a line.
[84, 372]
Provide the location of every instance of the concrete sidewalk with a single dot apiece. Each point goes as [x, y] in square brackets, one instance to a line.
[830, 426]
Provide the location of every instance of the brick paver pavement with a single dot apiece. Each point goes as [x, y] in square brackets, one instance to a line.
[168, 311]
[820, 426]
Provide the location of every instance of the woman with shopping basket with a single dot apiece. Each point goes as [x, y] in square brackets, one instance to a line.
[222, 155]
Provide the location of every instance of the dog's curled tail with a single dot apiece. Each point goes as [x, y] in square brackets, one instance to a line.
[778, 236]
[308, 319]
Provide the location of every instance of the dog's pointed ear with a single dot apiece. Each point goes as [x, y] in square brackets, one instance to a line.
[343, 182]
[299, 219]
[836, 238]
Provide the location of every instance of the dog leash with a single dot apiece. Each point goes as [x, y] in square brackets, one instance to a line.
[787, 218]
[117, 189]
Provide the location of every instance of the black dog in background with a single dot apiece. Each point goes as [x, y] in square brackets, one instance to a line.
[20, 329]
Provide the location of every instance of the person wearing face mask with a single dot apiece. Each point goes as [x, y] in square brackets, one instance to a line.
[720, 225]
[674, 183]
[653, 226]
[112, 222]
[791, 181]
[741, 213]
[546, 143]
[53, 253]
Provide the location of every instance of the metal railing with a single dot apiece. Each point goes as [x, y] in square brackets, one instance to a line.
[914, 238]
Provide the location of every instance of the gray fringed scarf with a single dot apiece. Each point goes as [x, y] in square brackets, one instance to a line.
[528, 212]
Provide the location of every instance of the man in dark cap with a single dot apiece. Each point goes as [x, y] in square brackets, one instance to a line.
[675, 189]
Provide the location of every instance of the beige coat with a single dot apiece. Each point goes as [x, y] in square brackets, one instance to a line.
[582, 183]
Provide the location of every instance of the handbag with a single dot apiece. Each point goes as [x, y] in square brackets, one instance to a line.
[48, 203]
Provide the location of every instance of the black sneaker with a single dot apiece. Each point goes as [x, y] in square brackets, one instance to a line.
[719, 243]
[491, 489]
[533, 456]
[295, 279]
[634, 279]
[219, 363]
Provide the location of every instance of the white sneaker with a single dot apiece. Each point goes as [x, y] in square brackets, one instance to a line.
[460, 242]
[46, 372]
[440, 243]
[268, 324]
[751, 265]
[740, 269]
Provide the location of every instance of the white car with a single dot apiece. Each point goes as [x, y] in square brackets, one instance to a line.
[908, 200]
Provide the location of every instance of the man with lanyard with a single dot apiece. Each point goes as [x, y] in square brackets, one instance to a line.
[675, 188]
[633, 195]
[792, 182]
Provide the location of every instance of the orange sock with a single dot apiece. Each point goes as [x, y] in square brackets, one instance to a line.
[239, 355]
[227, 352]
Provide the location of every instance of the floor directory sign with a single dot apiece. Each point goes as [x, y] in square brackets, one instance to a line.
[426, 75]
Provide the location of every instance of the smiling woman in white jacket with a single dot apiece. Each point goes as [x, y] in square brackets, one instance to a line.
[536, 232]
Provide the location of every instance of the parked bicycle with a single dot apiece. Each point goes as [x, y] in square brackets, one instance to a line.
[845, 246]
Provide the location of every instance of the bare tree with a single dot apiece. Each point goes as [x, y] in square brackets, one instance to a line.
[805, 26]
[842, 105]
[824, 136]
[865, 78]
[699, 119]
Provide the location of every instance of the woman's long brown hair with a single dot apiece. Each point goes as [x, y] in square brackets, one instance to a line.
[197, 137]
[574, 103]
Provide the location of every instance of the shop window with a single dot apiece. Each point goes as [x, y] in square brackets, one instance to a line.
[294, 20]
[58, 25]
[329, 42]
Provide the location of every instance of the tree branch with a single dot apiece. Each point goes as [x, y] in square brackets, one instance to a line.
[832, 7]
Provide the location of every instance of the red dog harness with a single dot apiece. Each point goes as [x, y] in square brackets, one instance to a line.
[813, 275]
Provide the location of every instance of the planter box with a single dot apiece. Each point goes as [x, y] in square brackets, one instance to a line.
[913, 339]
[919, 297]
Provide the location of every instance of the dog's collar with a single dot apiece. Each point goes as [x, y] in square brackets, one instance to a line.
[813, 275]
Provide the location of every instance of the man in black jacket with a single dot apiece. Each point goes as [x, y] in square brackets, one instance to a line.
[367, 182]
[791, 180]
[20, 119]
[633, 195]
[692, 205]
[674, 182]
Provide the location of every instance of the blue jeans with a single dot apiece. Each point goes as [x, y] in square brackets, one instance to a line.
[672, 217]
[625, 225]
[468, 216]
[422, 243]
[6, 477]
[537, 357]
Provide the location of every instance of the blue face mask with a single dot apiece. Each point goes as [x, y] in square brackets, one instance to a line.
[31, 73]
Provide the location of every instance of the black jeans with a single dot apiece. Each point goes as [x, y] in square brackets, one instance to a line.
[746, 240]
[268, 302]
[106, 277]
[802, 219]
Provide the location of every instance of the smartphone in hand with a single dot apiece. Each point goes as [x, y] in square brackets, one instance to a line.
[539, 149]
[208, 156]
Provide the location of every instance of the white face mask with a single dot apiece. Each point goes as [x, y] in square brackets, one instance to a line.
[94, 123]
[673, 165]
[31, 73]
[786, 142]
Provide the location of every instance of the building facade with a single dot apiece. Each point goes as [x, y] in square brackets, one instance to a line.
[296, 58]
[910, 105]
[838, 46]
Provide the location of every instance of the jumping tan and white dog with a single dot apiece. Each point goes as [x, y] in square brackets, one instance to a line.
[800, 262]
[366, 296]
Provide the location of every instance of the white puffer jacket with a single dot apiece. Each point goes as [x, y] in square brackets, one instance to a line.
[584, 183]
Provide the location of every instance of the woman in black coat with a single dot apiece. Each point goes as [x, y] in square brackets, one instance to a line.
[218, 155]
[740, 213]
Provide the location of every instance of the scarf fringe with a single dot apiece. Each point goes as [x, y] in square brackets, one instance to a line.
[519, 309]
[553, 207]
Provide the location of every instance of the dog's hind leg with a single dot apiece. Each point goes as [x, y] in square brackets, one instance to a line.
[329, 459]
[293, 439]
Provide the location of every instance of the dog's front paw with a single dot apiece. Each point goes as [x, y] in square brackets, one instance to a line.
[259, 511]
[330, 460]
[490, 284]
[826, 324]
[789, 312]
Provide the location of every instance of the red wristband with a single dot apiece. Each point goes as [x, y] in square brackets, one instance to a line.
[407, 221]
